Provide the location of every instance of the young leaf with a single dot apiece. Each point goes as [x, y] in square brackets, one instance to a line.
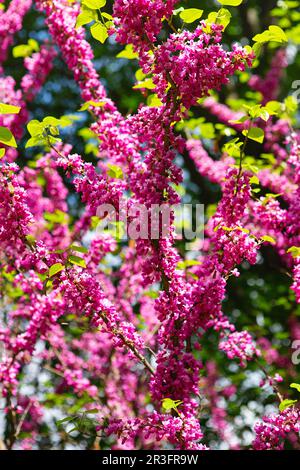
[35, 128]
[94, 4]
[55, 268]
[128, 53]
[267, 238]
[190, 15]
[30, 239]
[296, 386]
[273, 107]
[169, 404]
[230, 3]
[274, 33]
[51, 121]
[25, 50]
[34, 141]
[22, 50]
[115, 171]
[254, 180]
[154, 102]
[33, 44]
[222, 17]
[264, 114]
[9, 109]
[2, 153]
[286, 404]
[255, 133]
[77, 260]
[85, 17]
[295, 251]
[88, 104]
[148, 84]
[99, 32]
[6, 137]
[80, 249]
[291, 104]
[65, 420]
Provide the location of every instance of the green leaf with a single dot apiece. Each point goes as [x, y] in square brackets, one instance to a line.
[35, 128]
[80, 249]
[154, 102]
[85, 17]
[107, 16]
[273, 107]
[240, 120]
[2, 153]
[267, 238]
[77, 260]
[254, 180]
[277, 32]
[233, 148]
[291, 105]
[115, 171]
[6, 137]
[9, 109]
[33, 44]
[242, 229]
[139, 75]
[177, 11]
[169, 404]
[51, 121]
[257, 47]
[187, 263]
[230, 3]
[65, 420]
[99, 32]
[22, 50]
[274, 33]
[286, 404]
[25, 50]
[148, 84]
[295, 251]
[94, 4]
[222, 17]
[34, 142]
[296, 386]
[128, 53]
[264, 114]
[55, 268]
[255, 133]
[190, 15]
[30, 239]
[88, 104]
[57, 217]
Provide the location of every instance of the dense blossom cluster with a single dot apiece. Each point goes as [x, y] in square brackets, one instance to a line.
[275, 428]
[124, 337]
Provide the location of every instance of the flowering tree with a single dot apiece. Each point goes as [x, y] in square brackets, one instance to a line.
[116, 330]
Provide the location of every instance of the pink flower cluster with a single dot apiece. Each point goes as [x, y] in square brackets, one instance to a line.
[38, 65]
[10, 23]
[275, 428]
[239, 345]
[196, 63]
[136, 23]
[269, 86]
